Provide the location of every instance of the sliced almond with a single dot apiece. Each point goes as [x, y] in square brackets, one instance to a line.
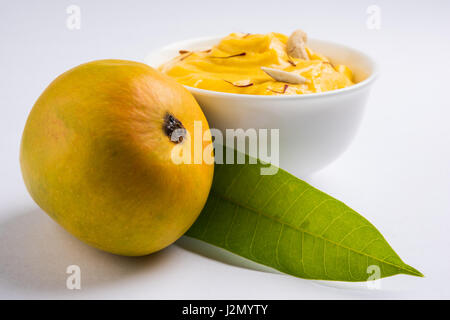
[240, 83]
[284, 76]
[281, 92]
[328, 62]
[232, 56]
[292, 63]
[185, 55]
[295, 46]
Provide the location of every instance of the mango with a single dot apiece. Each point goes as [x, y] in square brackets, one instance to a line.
[97, 156]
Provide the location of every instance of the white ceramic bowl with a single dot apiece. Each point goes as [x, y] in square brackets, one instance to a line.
[314, 129]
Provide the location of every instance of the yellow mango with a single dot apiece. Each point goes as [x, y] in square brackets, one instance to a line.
[96, 156]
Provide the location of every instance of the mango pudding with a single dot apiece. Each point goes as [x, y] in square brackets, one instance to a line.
[259, 64]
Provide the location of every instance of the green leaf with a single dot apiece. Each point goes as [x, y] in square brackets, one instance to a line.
[282, 222]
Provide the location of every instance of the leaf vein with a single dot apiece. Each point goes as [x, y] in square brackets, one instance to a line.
[302, 231]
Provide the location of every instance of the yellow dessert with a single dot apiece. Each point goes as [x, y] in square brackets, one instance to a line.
[261, 64]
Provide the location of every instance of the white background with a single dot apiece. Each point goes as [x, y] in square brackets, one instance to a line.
[396, 173]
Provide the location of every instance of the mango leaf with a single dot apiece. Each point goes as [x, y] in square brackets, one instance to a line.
[283, 222]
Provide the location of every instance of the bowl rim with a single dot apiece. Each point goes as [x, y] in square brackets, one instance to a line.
[356, 87]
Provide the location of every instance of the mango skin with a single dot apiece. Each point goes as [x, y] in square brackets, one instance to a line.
[95, 158]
